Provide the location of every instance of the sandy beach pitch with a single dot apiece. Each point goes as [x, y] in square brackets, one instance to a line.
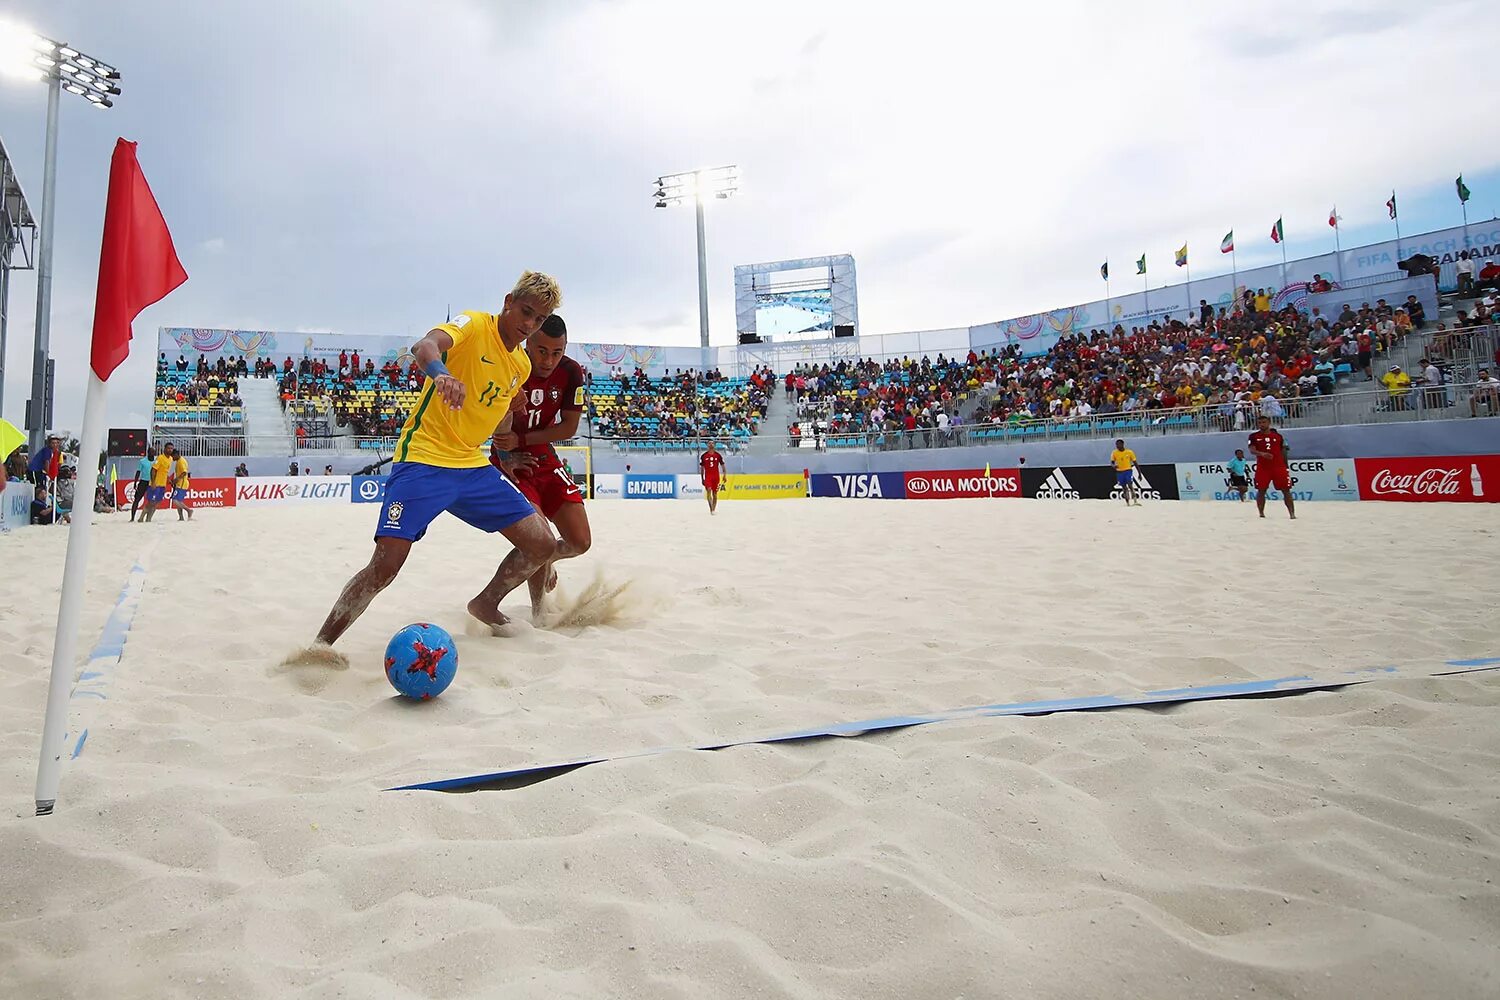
[224, 833]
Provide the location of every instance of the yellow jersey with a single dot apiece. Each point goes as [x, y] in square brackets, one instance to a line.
[180, 474]
[435, 434]
[159, 470]
[1124, 460]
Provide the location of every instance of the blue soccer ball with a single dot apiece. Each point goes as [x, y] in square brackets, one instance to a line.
[420, 661]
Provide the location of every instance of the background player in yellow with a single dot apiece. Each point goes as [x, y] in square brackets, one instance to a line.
[179, 483]
[476, 365]
[161, 471]
[1123, 460]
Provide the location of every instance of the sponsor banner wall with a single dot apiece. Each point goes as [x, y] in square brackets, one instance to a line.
[205, 492]
[860, 485]
[1096, 482]
[15, 504]
[764, 486]
[609, 486]
[1312, 479]
[263, 491]
[1469, 478]
[367, 489]
[958, 483]
[690, 487]
[652, 487]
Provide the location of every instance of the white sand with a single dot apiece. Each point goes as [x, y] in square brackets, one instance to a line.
[224, 834]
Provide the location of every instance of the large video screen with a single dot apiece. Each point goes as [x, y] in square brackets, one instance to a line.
[799, 302]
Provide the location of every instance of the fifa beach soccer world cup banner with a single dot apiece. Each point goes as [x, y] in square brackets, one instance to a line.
[1460, 479]
[764, 486]
[1312, 479]
[1096, 482]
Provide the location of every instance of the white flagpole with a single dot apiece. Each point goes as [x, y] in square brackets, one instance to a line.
[1338, 251]
[75, 572]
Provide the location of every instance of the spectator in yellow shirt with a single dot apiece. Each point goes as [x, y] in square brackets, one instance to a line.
[1398, 384]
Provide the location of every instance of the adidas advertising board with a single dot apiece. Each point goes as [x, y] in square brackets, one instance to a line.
[1096, 482]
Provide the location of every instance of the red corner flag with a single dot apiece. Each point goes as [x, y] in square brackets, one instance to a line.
[137, 263]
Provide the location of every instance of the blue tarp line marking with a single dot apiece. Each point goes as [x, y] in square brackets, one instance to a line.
[1301, 684]
[94, 679]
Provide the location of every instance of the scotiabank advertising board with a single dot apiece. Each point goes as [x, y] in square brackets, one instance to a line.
[203, 493]
[1466, 478]
[957, 484]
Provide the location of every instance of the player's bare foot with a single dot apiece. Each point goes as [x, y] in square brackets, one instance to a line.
[488, 615]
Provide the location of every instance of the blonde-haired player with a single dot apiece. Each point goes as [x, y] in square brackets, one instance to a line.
[476, 365]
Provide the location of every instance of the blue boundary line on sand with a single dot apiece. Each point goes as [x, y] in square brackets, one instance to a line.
[1301, 684]
[92, 685]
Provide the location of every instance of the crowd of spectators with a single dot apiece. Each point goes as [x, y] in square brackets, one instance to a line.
[1240, 362]
[915, 402]
[684, 404]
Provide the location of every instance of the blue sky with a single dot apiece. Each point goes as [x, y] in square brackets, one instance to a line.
[359, 165]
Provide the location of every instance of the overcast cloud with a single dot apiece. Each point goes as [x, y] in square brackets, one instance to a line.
[359, 166]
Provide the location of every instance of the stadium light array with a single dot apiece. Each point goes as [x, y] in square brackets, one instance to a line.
[694, 186]
[28, 55]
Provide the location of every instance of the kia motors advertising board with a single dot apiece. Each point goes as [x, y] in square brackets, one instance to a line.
[860, 485]
[960, 483]
[1096, 482]
[262, 491]
[1464, 479]
[1312, 479]
[202, 493]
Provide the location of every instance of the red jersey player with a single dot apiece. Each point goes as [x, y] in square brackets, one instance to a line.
[711, 471]
[1270, 451]
[551, 403]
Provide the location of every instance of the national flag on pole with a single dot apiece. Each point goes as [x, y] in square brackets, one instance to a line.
[1226, 245]
[137, 263]
[1334, 218]
[1140, 265]
[1390, 206]
[1182, 256]
[1277, 233]
[1104, 270]
[1463, 189]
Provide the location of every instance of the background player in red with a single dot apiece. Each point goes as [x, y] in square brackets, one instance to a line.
[551, 403]
[711, 471]
[1270, 451]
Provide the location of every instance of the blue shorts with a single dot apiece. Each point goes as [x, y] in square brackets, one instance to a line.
[415, 494]
[1126, 478]
[179, 495]
[156, 494]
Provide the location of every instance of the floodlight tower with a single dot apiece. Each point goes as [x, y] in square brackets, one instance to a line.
[695, 185]
[62, 67]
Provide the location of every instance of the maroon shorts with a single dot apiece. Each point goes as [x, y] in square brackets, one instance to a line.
[711, 483]
[1267, 475]
[549, 487]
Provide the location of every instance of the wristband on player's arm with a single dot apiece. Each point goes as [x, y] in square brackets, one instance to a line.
[435, 367]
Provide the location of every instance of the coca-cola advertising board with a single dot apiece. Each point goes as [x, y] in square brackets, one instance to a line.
[1459, 479]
